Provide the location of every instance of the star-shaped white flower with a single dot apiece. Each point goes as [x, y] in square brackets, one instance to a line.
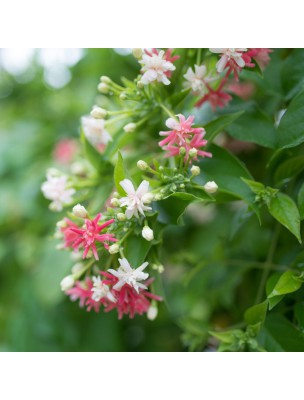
[227, 55]
[155, 68]
[101, 290]
[196, 79]
[135, 199]
[94, 130]
[55, 189]
[127, 275]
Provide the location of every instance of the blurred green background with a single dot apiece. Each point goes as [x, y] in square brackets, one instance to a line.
[43, 94]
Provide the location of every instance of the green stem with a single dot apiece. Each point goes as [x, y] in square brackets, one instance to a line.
[84, 269]
[198, 57]
[268, 263]
[167, 111]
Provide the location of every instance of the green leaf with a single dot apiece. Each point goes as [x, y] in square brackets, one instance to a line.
[256, 187]
[216, 126]
[299, 314]
[177, 98]
[256, 314]
[270, 285]
[119, 174]
[284, 210]
[291, 128]
[278, 334]
[227, 171]
[136, 249]
[102, 166]
[254, 126]
[228, 337]
[292, 72]
[288, 283]
[289, 169]
[301, 201]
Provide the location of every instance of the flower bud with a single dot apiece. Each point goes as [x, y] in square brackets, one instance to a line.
[193, 152]
[67, 283]
[158, 196]
[147, 198]
[103, 88]
[152, 312]
[78, 168]
[142, 165]
[79, 211]
[121, 217]
[105, 79]
[77, 267]
[116, 195]
[115, 202]
[211, 187]
[195, 170]
[123, 96]
[98, 112]
[140, 85]
[61, 224]
[114, 248]
[147, 233]
[129, 128]
[137, 53]
[182, 151]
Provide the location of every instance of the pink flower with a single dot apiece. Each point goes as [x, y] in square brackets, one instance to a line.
[86, 237]
[183, 135]
[82, 291]
[65, 150]
[216, 98]
[261, 56]
[68, 234]
[233, 59]
[128, 300]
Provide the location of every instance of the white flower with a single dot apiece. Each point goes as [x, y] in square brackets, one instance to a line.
[134, 199]
[137, 53]
[211, 187]
[154, 68]
[147, 233]
[55, 189]
[94, 130]
[129, 276]
[67, 283]
[80, 211]
[196, 79]
[227, 55]
[101, 290]
[148, 198]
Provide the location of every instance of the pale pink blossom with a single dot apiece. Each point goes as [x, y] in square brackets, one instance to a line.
[56, 189]
[156, 66]
[230, 58]
[101, 290]
[134, 201]
[95, 131]
[197, 79]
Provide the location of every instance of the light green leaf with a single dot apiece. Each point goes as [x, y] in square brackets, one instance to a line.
[288, 283]
[256, 187]
[284, 210]
[256, 314]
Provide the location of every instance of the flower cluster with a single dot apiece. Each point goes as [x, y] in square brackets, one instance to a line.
[183, 136]
[120, 289]
[115, 210]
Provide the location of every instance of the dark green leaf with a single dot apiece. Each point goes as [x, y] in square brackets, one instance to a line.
[301, 201]
[119, 174]
[97, 160]
[256, 187]
[291, 128]
[289, 169]
[177, 98]
[136, 249]
[284, 209]
[217, 126]
[254, 126]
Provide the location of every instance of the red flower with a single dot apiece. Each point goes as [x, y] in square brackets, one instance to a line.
[87, 236]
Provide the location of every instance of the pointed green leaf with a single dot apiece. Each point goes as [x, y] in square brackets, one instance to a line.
[256, 314]
[217, 126]
[119, 174]
[301, 201]
[289, 169]
[284, 209]
[288, 283]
